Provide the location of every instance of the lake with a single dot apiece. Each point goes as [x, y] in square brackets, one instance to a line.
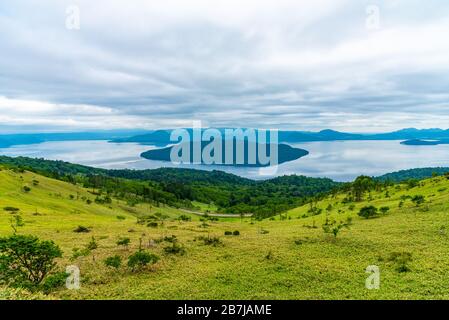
[338, 160]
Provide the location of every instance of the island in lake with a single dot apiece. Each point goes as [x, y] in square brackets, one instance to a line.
[285, 153]
[420, 142]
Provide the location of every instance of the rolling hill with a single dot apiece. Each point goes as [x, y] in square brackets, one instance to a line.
[284, 257]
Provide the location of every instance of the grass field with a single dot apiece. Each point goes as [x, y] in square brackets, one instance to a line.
[288, 257]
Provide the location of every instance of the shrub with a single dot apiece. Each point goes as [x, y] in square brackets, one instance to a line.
[81, 229]
[228, 233]
[113, 262]
[123, 242]
[418, 200]
[26, 189]
[175, 248]
[92, 245]
[401, 261]
[368, 212]
[236, 233]
[54, 281]
[141, 259]
[171, 238]
[26, 260]
[210, 241]
[152, 224]
[11, 209]
[184, 217]
[121, 217]
[333, 227]
[384, 210]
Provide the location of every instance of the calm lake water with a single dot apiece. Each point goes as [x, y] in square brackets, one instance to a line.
[341, 160]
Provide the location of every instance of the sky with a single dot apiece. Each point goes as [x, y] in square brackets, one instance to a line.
[348, 65]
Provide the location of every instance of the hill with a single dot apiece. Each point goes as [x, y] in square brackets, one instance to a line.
[179, 187]
[284, 257]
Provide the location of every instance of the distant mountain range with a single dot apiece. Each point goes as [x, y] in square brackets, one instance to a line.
[161, 138]
[7, 140]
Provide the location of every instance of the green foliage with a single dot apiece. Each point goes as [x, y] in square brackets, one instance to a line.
[184, 217]
[401, 261]
[140, 259]
[361, 185]
[418, 200]
[332, 226]
[81, 229]
[11, 209]
[16, 221]
[26, 260]
[175, 248]
[113, 261]
[54, 281]
[368, 212]
[124, 242]
[210, 241]
[179, 187]
[384, 209]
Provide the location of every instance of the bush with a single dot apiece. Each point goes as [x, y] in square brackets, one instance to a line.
[184, 217]
[54, 281]
[11, 209]
[81, 229]
[141, 259]
[26, 260]
[26, 189]
[152, 224]
[418, 200]
[210, 241]
[175, 248]
[123, 242]
[121, 217]
[236, 233]
[333, 227]
[228, 233]
[368, 212]
[401, 261]
[113, 262]
[384, 210]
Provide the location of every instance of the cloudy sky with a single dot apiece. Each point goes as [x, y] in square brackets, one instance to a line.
[351, 65]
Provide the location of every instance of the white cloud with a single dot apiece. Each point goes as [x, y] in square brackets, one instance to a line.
[285, 63]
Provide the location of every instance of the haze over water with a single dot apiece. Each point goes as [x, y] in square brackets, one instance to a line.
[338, 160]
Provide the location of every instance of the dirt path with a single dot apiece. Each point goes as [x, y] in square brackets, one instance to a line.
[218, 215]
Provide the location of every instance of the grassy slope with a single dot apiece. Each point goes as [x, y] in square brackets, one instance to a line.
[315, 267]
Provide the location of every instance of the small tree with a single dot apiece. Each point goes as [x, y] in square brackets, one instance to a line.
[124, 242]
[418, 200]
[113, 262]
[384, 210]
[333, 227]
[141, 259]
[368, 212]
[26, 260]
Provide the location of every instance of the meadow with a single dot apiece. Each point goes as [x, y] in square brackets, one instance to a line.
[288, 256]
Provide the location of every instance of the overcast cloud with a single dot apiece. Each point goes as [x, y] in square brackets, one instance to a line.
[305, 65]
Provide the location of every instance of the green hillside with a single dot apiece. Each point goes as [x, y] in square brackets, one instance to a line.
[285, 257]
